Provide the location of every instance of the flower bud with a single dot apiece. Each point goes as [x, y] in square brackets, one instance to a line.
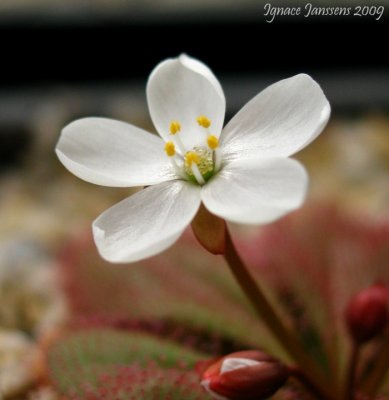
[367, 313]
[245, 375]
[210, 231]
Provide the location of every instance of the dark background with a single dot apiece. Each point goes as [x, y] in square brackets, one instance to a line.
[115, 49]
[83, 59]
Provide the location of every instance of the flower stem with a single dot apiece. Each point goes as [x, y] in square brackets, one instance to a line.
[379, 369]
[264, 309]
[301, 377]
[350, 382]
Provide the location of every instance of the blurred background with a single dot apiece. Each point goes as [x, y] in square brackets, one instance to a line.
[64, 59]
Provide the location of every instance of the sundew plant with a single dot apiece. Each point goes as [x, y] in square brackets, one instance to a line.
[201, 173]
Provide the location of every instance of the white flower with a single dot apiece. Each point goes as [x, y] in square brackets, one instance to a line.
[241, 173]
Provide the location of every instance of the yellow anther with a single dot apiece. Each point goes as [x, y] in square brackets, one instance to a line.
[203, 121]
[170, 149]
[175, 127]
[213, 142]
[191, 158]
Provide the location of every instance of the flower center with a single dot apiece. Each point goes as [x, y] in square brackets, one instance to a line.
[203, 158]
[200, 163]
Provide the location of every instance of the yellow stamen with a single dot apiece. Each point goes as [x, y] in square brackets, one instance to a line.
[170, 149]
[175, 127]
[203, 121]
[213, 142]
[191, 158]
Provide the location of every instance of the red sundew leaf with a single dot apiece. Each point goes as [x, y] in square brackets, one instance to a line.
[309, 264]
[316, 259]
[186, 285]
[84, 363]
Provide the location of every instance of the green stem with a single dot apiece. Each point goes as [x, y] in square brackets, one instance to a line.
[349, 387]
[264, 309]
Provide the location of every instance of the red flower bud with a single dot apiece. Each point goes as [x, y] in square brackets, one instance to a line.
[245, 375]
[367, 313]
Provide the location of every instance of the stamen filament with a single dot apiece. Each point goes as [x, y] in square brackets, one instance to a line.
[179, 144]
[218, 159]
[197, 174]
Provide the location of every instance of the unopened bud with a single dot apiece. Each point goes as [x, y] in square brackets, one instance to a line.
[245, 375]
[367, 313]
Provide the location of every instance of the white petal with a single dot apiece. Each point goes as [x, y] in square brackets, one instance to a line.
[147, 222]
[278, 122]
[113, 153]
[256, 191]
[181, 89]
[233, 363]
